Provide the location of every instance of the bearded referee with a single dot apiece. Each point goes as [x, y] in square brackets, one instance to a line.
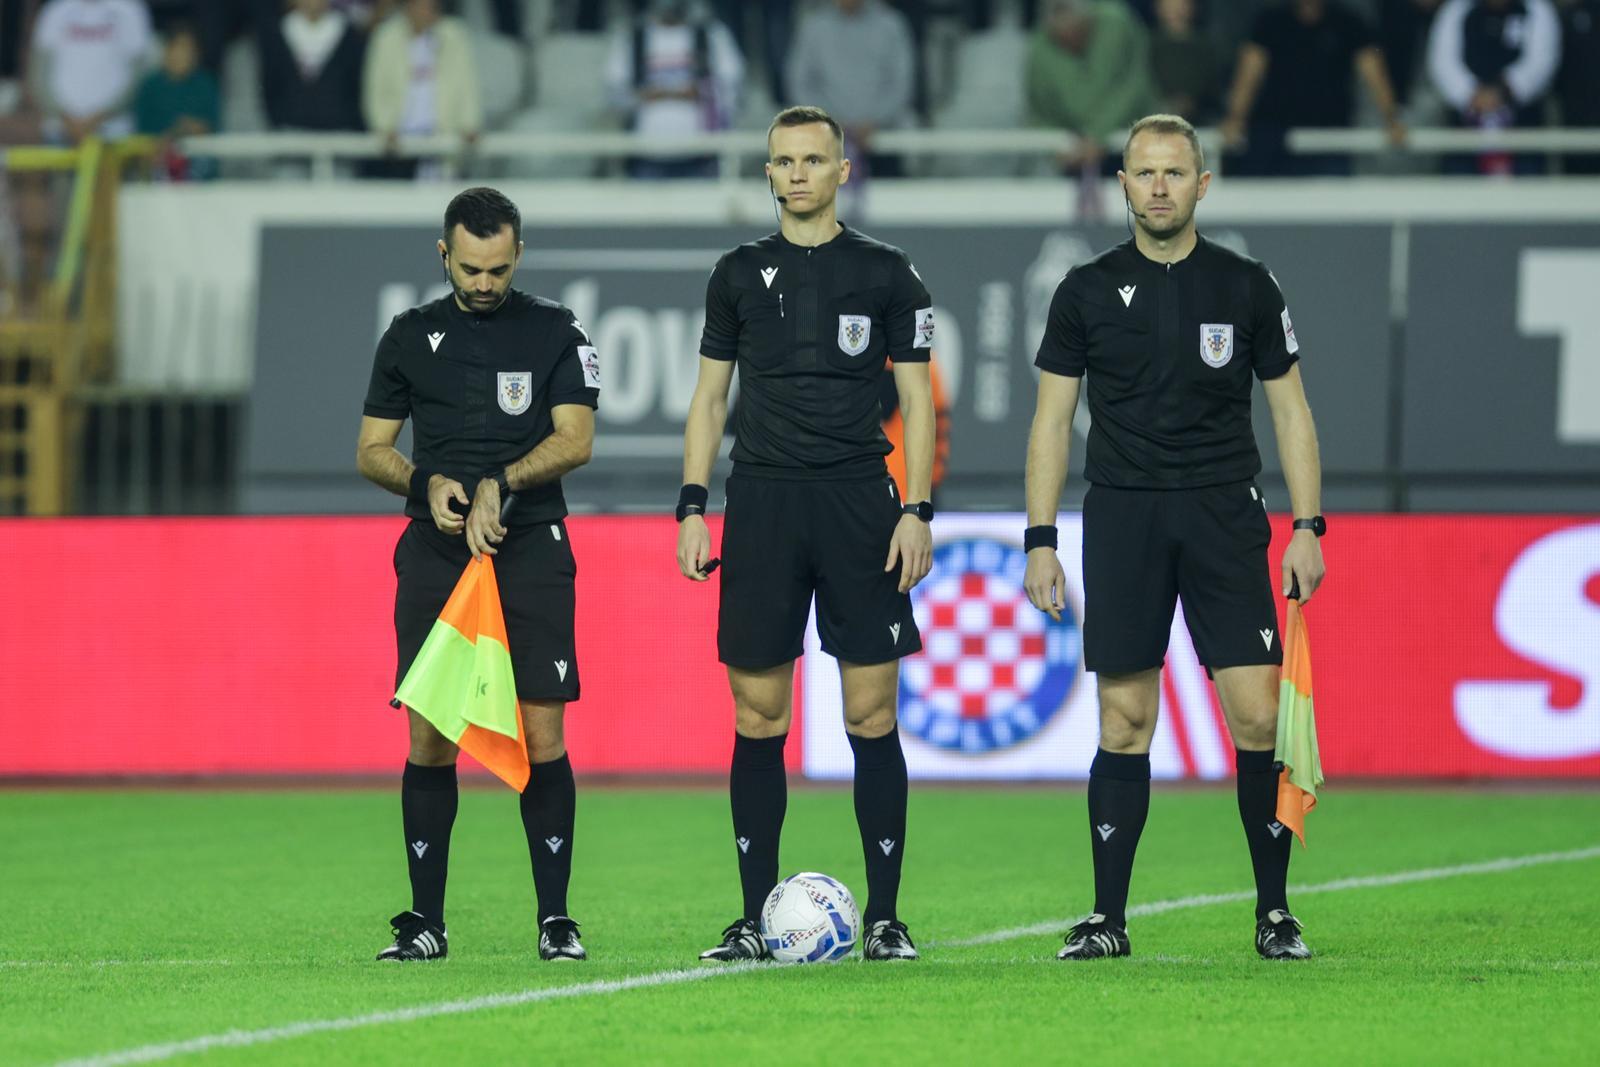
[501, 388]
[1169, 329]
[808, 315]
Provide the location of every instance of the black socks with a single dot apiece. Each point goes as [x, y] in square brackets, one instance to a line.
[880, 795]
[549, 805]
[1269, 839]
[428, 799]
[1119, 800]
[759, 793]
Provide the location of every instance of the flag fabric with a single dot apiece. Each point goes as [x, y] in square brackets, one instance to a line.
[1297, 730]
[461, 680]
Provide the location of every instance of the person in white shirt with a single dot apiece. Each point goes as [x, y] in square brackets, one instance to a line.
[87, 60]
[420, 79]
[676, 72]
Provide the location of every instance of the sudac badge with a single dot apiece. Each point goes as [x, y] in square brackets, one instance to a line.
[515, 391]
[1216, 343]
[854, 333]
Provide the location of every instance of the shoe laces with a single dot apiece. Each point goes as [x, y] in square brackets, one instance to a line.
[407, 925]
[1092, 924]
[1284, 926]
[738, 930]
[560, 929]
[892, 933]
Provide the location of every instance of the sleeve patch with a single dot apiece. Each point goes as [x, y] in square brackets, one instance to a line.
[1289, 341]
[591, 366]
[923, 337]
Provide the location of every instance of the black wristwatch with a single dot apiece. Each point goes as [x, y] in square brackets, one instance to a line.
[922, 510]
[1316, 524]
[503, 482]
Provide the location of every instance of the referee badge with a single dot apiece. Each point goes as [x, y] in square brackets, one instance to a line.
[514, 391]
[1216, 343]
[854, 333]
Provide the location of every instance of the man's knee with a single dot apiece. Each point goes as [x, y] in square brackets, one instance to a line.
[1128, 706]
[429, 748]
[763, 701]
[543, 728]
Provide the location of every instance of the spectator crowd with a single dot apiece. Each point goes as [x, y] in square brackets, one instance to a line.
[1255, 69]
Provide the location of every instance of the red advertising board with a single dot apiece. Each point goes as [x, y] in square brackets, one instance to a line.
[1444, 647]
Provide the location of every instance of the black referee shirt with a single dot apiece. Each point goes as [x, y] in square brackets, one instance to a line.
[478, 389]
[811, 328]
[1169, 351]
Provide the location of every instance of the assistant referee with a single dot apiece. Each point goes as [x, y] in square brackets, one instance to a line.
[501, 388]
[1169, 329]
[809, 315]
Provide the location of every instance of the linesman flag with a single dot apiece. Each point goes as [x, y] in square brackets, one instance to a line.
[461, 680]
[1297, 730]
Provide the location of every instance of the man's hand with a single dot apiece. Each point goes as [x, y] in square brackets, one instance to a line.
[911, 547]
[1302, 563]
[1046, 582]
[694, 547]
[1396, 129]
[1486, 99]
[1233, 131]
[483, 521]
[441, 491]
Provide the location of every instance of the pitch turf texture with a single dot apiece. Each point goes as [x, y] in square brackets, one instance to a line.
[142, 926]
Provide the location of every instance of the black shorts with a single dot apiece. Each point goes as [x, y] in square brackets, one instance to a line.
[535, 571]
[782, 541]
[1145, 548]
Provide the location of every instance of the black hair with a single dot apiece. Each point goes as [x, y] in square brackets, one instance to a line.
[484, 212]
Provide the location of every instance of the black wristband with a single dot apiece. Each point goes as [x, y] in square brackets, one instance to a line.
[418, 490]
[692, 500]
[1039, 537]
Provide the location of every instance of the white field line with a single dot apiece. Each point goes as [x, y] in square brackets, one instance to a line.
[244, 1038]
[1371, 881]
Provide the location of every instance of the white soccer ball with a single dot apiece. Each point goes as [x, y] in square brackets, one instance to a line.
[810, 918]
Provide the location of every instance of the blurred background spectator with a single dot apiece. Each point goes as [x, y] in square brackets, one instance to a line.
[87, 60]
[853, 59]
[419, 79]
[1296, 69]
[311, 67]
[1088, 72]
[676, 71]
[776, 33]
[1403, 38]
[1493, 61]
[1578, 88]
[178, 99]
[1189, 64]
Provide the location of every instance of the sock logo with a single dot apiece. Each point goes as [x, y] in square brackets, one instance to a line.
[1105, 830]
[1275, 828]
[561, 669]
[894, 632]
[887, 844]
[743, 843]
[555, 844]
[419, 847]
[1266, 637]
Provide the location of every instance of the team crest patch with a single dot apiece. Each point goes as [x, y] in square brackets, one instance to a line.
[515, 391]
[923, 336]
[854, 333]
[1216, 343]
[994, 671]
[591, 365]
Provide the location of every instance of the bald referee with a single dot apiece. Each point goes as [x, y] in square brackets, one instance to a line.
[1169, 330]
[808, 315]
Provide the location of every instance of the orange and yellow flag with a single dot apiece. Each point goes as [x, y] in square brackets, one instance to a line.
[461, 680]
[1297, 729]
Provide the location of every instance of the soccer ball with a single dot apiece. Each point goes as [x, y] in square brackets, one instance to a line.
[810, 918]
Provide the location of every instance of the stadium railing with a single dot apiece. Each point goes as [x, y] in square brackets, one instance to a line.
[325, 151]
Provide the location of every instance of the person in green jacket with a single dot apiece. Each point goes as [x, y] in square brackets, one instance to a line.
[179, 99]
[1088, 72]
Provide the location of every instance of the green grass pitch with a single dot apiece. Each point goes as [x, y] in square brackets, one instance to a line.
[136, 921]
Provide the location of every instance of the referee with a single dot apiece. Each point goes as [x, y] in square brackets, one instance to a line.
[501, 389]
[808, 315]
[1170, 328]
